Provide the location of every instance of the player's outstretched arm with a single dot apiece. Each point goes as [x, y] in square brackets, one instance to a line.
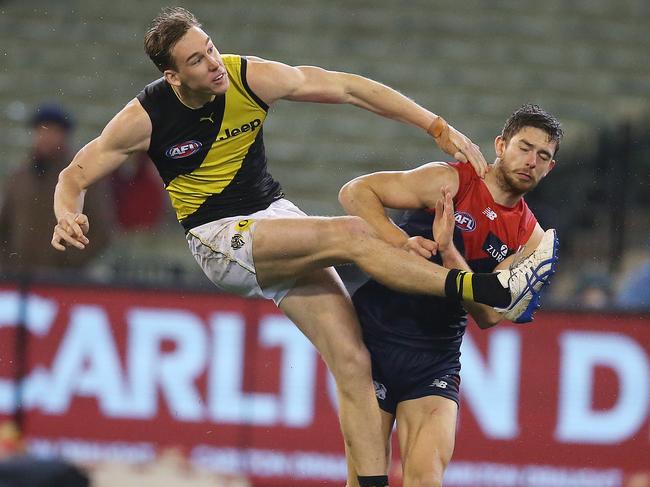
[129, 131]
[368, 196]
[272, 81]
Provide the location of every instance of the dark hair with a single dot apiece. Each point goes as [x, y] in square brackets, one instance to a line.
[166, 30]
[530, 115]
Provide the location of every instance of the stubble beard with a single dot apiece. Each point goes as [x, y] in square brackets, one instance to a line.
[510, 185]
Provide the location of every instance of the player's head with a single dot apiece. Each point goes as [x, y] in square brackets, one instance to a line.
[184, 53]
[526, 148]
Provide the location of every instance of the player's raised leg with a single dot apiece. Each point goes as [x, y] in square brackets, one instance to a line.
[285, 248]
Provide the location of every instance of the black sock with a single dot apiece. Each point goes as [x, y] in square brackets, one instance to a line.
[482, 288]
[373, 481]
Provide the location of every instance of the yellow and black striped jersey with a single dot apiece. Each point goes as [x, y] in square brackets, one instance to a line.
[211, 159]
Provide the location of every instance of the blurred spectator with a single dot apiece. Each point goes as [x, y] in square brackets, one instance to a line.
[26, 215]
[635, 289]
[138, 193]
[593, 291]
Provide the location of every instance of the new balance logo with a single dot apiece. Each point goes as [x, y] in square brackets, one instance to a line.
[207, 119]
[439, 383]
[490, 213]
[247, 127]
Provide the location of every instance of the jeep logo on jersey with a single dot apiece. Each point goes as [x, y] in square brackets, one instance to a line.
[184, 149]
[247, 127]
[464, 221]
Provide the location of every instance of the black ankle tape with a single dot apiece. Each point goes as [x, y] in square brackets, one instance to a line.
[451, 288]
[373, 481]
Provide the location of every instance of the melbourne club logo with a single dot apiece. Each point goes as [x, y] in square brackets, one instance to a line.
[464, 221]
[184, 149]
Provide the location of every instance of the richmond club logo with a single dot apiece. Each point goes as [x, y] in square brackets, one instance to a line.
[184, 149]
[464, 221]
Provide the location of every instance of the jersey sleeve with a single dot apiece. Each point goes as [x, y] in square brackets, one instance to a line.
[466, 174]
[527, 225]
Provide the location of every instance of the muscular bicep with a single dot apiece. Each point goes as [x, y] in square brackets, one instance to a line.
[128, 132]
[272, 81]
[417, 188]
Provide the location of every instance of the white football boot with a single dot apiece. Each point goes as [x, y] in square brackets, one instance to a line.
[527, 277]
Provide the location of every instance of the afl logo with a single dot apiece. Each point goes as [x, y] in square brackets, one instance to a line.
[184, 149]
[464, 221]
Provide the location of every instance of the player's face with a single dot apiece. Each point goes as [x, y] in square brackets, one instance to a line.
[199, 64]
[525, 159]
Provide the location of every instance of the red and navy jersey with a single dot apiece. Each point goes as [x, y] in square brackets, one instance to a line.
[485, 234]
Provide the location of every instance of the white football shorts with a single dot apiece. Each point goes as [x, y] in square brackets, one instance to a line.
[224, 250]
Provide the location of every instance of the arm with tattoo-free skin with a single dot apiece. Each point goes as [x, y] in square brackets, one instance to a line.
[129, 131]
[432, 185]
[368, 196]
[273, 81]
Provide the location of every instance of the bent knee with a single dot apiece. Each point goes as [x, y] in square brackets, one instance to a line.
[350, 231]
[349, 365]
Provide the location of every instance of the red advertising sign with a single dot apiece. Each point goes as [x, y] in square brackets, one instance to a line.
[121, 374]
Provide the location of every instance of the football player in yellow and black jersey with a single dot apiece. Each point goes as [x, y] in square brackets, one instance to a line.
[201, 124]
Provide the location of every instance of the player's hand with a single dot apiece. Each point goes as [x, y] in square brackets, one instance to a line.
[421, 246]
[458, 145]
[444, 223]
[71, 229]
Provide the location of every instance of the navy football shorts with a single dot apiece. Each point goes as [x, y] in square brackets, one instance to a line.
[401, 373]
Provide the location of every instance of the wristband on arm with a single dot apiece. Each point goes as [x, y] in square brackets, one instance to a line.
[437, 127]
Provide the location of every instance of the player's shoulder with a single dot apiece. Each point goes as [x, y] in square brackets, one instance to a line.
[440, 169]
[154, 88]
[438, 174]
[464, 170]
[130, 128]
[233, 59]
[134, 110]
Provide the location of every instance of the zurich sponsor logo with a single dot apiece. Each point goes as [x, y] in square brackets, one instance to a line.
[464, 221]
[184, 149]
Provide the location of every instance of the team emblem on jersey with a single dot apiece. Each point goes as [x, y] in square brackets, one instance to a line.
[237, 241]
[380, 390]
[184, 149]
[464, 221]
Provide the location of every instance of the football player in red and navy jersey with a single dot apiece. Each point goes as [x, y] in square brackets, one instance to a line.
[414, 340]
